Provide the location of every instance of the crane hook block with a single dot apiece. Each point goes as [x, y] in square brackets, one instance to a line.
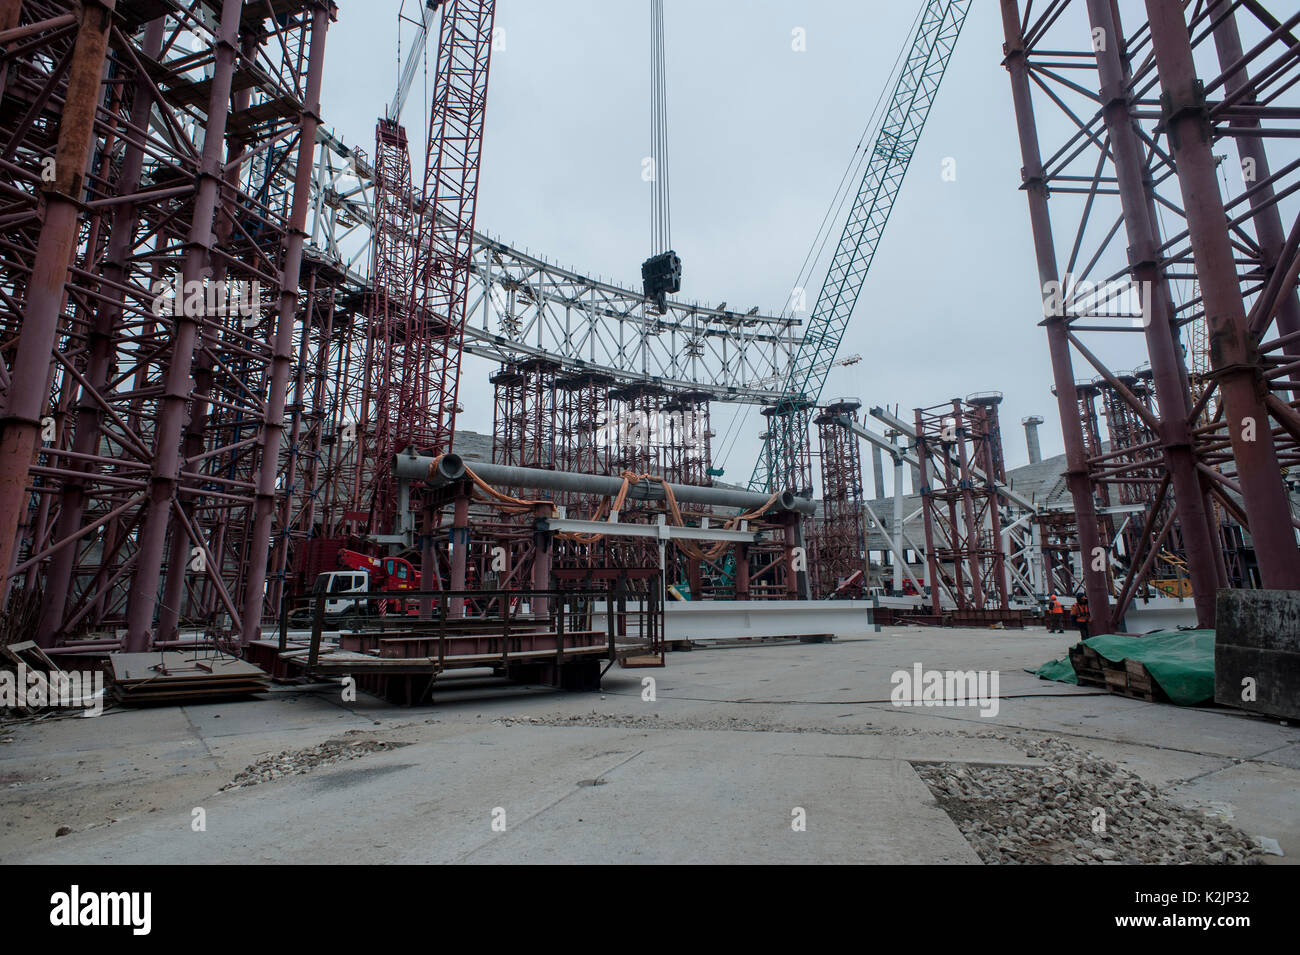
[661, 275]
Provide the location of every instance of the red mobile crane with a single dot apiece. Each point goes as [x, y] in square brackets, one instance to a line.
[421, 247]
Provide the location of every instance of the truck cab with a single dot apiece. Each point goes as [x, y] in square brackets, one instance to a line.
[338, 584]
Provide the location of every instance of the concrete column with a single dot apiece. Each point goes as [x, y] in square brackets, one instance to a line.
[896, 532]
[932, 558]
[878, 470]
[1037, 577]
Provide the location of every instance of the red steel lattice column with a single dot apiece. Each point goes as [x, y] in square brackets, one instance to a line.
[1170, 374]
[59, 577]
[1233, 352]
[1076, 473]
[841, 533]
[20, 424]
[271, 436]
[143, 597]
[429, 383]
[389, 346]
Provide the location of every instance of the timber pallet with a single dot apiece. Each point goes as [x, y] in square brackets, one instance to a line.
[1123, 678]
[1132, 679]
[1089, 665]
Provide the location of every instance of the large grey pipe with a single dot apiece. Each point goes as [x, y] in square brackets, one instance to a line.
[451, 468]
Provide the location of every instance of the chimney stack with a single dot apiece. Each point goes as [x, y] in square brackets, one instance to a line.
[1031, 437]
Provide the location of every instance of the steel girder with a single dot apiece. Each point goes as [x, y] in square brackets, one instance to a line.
[522, 305]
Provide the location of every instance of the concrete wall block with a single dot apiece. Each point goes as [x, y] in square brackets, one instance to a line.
[1258, 638]
[1265, 619]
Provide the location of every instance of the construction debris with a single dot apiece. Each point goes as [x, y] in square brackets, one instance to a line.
[33, 684]
[1082, 809]
[351, 745]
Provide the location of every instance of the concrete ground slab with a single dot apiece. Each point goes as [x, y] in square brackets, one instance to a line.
[709, 770]
[573, 795]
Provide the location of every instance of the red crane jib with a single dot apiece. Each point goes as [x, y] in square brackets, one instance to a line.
[387, 573]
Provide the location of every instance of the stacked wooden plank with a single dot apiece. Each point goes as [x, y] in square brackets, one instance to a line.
[174, 677]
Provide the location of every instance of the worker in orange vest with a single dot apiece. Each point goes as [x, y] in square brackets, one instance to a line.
[1081, 617]
[1055, 616]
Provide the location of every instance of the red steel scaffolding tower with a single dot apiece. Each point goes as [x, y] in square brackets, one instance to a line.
[391, 343]
[959, 447]
[1149, 212]
[841, 535]
[422, 262]
[150, 305]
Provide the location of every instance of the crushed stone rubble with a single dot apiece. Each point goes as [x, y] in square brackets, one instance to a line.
[295, 762]
[1034, 815]
[738, 724]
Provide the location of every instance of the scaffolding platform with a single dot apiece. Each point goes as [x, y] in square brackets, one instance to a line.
[563, 641]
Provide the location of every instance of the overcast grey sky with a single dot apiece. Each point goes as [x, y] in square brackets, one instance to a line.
[759, 137]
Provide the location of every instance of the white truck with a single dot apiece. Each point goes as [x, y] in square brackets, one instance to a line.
[338, 584]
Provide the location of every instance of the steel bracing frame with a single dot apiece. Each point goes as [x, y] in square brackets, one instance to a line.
[841, 529]
[525, 421]
[150, 302]
[1168, 243]
[688, 438]
[959, 448]
[522, 305]
[170, 462]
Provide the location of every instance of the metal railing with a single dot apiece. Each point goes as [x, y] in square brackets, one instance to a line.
[630, 616]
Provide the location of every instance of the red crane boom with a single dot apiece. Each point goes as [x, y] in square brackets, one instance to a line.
[422, 264]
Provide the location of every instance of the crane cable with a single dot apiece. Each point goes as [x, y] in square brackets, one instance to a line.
[661, 222]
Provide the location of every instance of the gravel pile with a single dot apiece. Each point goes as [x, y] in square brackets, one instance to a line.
[1020, 815]
[295, 762]
[735, 724]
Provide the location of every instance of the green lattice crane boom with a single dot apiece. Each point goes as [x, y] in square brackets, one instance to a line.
[780, 464]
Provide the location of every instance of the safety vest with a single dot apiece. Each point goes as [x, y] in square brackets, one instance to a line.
[1081, 613]
[1056, 607]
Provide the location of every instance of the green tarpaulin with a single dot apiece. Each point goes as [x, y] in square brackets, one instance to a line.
[1059, 670]
[1180, 661]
